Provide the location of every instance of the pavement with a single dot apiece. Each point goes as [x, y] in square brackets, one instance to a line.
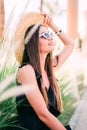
[79, 118]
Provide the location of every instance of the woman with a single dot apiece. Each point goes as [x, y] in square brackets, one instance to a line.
[39, 107]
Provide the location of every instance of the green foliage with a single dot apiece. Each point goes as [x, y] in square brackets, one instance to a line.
[6, 71]
[80, 79]
[7, 107]
[7, 112]
[68, 101]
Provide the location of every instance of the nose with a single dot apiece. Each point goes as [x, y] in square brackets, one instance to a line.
[51, 38]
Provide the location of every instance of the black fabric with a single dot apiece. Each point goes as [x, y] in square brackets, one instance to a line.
[68, 127]
[27, 118]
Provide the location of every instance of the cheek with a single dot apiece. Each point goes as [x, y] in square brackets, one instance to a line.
[42, 45]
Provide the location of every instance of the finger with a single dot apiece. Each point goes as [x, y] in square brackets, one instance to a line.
[44, 14]
[48, 20]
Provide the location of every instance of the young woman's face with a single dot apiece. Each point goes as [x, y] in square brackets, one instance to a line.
[46, 44]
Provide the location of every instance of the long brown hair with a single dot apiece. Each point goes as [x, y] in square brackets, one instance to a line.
[31, 56]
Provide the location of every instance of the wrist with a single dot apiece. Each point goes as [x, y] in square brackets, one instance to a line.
[55, 28]
[51, 25]
[58, 32]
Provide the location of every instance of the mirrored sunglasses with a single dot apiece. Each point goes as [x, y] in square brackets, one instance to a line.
[46, 35]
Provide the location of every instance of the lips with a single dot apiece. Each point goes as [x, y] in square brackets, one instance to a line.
[51, 43]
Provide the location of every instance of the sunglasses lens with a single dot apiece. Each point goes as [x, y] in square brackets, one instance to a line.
[47, 35]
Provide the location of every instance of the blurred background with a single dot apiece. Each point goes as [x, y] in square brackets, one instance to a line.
[71, 16]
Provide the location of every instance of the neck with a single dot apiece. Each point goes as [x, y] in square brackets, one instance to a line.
[42, 62]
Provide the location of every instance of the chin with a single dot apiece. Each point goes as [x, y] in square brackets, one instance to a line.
[51, 50]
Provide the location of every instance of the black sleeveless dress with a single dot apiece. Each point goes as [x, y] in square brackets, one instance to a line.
[27, 117]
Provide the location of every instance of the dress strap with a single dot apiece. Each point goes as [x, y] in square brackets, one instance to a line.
[23, 65]
[38, 75]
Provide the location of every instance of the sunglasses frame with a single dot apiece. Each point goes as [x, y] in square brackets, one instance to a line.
[49, 35]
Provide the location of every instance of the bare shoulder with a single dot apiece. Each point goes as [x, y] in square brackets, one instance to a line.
[26, 74]
[26, 68]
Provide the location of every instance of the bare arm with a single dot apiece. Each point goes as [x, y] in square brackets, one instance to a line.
[26, 76]
[67, 41]
[68, 46]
